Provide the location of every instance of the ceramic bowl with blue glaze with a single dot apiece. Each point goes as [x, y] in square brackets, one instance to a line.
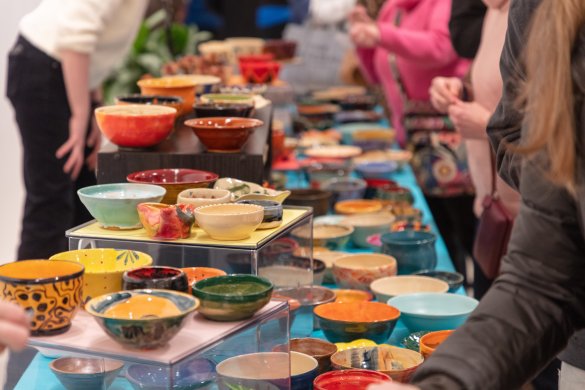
[272, 212]
[414, 250]
[194, 374]
[76, 373]
[377, 170]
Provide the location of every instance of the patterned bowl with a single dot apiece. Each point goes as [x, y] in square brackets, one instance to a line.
[398, 363]
[76, 373]
[104, 268]
[142, 319]
[49, 290]
[155, 277]
[349, 379]
[360, 270]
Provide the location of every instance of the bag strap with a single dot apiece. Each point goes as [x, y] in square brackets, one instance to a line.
[494, 192]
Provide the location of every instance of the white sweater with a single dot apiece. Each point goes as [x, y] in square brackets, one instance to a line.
[104, 29]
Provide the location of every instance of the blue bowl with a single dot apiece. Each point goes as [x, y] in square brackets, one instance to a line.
[272, 212]
[114, 205]
[414, 250]
[376, 170]
[433, 311]
[453, 279]
[194, 374]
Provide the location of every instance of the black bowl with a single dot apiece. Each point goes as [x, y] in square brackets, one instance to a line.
[207, 110]
[164, 278]
[453, 279]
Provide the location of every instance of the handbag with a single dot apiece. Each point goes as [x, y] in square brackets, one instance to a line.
[493, 231]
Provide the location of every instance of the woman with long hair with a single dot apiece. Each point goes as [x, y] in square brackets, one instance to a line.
[538, 302]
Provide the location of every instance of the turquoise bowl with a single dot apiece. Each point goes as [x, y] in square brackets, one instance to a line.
[149, 319]
[233, 298]
[433, 311]
[114, 205]
[414, 250]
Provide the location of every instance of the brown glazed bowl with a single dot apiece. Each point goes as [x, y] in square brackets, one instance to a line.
[321, 350]
[212, 109]
[281, 49]
[223, 134]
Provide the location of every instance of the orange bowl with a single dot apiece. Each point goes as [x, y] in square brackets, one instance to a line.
[349, 295]
[195, 274]
[136, 125]
[430, 341]
[181, 86]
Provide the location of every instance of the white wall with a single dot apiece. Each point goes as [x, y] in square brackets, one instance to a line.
[12, 198]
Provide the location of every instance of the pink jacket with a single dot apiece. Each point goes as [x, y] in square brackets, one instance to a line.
[422, 47]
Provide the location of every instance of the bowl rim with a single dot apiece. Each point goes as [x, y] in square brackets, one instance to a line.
[371, 374]
[457, 276]
[54, 279]
[316, 340]
[330, 297]
[376, 289]
[268, 205]
[394, 317]
[151, 82]
[253, 209]
[55, 257]
[419, 355]
[434, 333]
[391, 260]
[226, 193]
[156, 189]
[118, 363]
[223, 279]
[428, 238]
[165, 98]
[147, 291]
[245, 123]
[111, 110]
[463, 298]
[133, 177]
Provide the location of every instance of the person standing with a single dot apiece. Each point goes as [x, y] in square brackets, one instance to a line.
[65, 49]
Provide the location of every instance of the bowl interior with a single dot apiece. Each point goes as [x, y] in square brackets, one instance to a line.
[132, 110]
[122, 191]
[331, 231]
[229, 209]
[364, 261]
[256, 366]
[313, 347]
[142, 305]
[204, 193]
[399, 285]
[432, 340]
[364, 312]
[172, 176]
[153, 273]
[199, 273]
[309, 295]
[39, 271]
[150, 99]
[105, 260]
[233, 288]
[387, 359]
[349, 379]
[85, 366]
[434, 304]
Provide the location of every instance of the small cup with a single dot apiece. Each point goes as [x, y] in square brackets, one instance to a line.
[162, 278]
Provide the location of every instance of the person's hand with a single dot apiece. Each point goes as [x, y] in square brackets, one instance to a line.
[470, 119]
[359, 14]
[74, 146]
[391, 386]
[94, 142]
[365, 34]
[14, 326]
[445, 91]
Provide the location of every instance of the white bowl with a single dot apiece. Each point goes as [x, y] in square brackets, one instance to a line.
[203, 196]
[389, 287]
[229, 221]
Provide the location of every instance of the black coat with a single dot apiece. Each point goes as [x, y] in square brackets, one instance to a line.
[538, 302]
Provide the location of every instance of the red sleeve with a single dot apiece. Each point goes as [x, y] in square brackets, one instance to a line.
[366, 60]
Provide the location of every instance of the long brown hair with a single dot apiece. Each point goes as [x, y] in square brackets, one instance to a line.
[547, 93]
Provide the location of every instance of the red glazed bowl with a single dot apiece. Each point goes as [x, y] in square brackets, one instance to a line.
[223, 134]
[136, 125]
[281, 49]
[260, 72]
[349, 380]
[174, 180]
[267, 57]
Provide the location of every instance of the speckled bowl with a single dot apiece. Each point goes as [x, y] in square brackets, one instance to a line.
[76, 373]
[358, 271]
[232, 297]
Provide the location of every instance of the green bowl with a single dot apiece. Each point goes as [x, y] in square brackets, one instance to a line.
[232, 297]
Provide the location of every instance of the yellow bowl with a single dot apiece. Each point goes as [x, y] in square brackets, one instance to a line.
[49, 291]
[104, 268]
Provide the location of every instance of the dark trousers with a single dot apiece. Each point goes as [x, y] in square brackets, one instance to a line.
[36, 89]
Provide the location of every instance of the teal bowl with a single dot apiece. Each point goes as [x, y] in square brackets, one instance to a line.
[232, 297]
[142, 319]
[433, 311]
[114, 205]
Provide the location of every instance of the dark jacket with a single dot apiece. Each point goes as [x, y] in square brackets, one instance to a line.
[538, 302]
[466, 25]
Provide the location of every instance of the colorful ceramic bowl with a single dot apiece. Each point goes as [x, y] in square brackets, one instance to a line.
[272, 212]
[114, 205]
[157, 277]
[260, 72]
[349, 380]
[203, 196]
[174, 180]
[204, 84]
[358, 271]
[328, 257]
[232, 297]
[245, 190]
[104, 268]
[376, 170]
[50, 291]
[195, 274]
[430, 341]
[142, 319]
[366, 225]
[398, 363]
[358, 206]
[135, 125]
[181, 86]
[309, 297]
[318, 200]
[267, 371]
[337, 152]
[414, 251]
[197, 373]
[397, 195]
[332, 237]
[342, 322]
[159, 100]
[319, 349]
[229, 222]
[453, 279]
[433, 311]
[281, 49]
[223, 134]
[349, 295]
[209, 110]
[389, 287]
[344, 188]
[77, 373]
[166, 222]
